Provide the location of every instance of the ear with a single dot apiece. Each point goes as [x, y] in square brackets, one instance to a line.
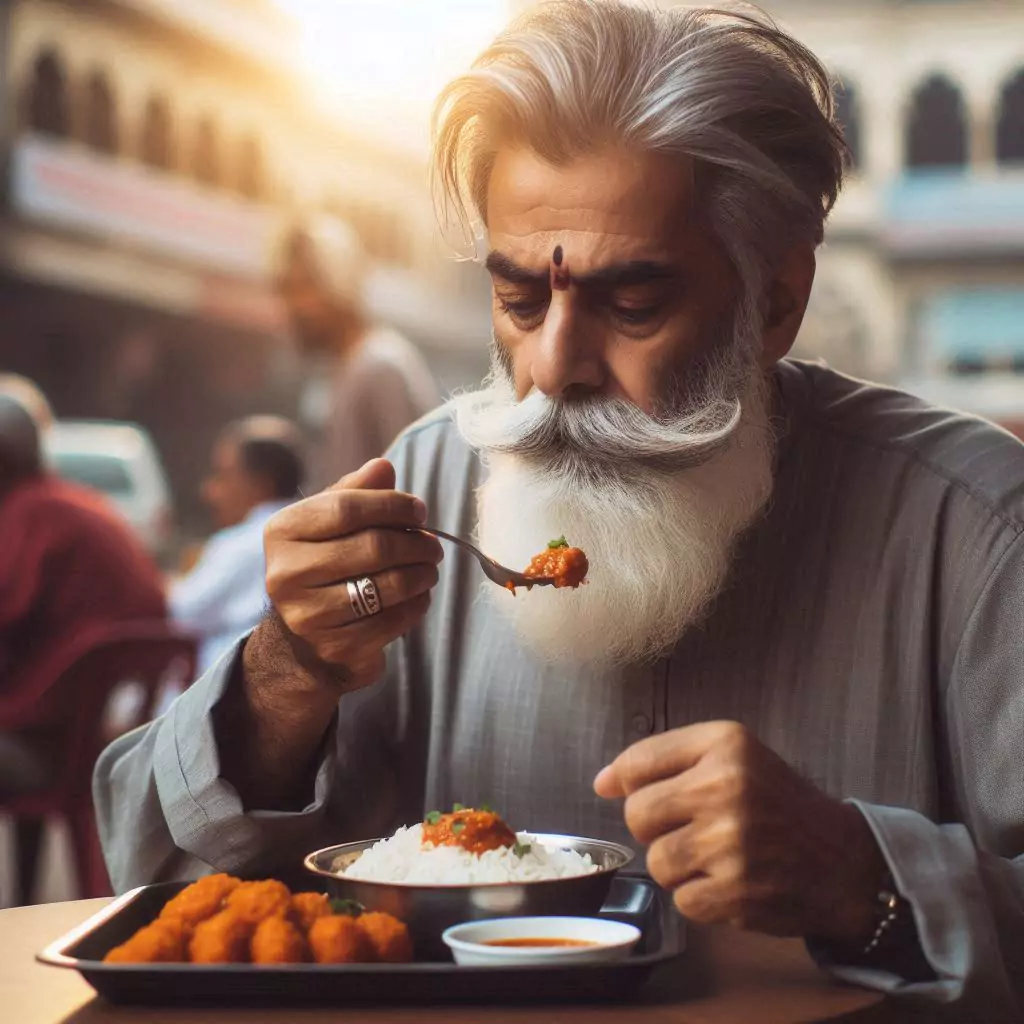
[786, 302]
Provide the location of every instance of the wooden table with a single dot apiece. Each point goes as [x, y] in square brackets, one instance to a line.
[727, 977]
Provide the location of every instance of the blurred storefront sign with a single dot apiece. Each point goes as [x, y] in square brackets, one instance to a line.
[974, 328]
[971, 344]
[161, 242]
[935, 214]
[71, 188]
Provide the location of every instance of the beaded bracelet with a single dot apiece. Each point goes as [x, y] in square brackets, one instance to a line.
[889, 901]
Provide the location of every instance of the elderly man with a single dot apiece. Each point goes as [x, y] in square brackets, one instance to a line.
[798, 658]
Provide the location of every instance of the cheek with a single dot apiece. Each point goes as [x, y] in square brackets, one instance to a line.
[514, 353]
[638, 370]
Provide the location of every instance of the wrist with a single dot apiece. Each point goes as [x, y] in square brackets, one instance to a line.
[848, 912]
[271, 721]
[279, 670]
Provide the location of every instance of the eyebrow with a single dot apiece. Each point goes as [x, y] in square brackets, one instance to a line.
[615, 275]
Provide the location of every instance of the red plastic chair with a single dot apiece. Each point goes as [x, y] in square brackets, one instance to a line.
[69, 705]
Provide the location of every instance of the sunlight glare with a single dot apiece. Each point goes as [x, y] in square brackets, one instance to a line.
[369, 56]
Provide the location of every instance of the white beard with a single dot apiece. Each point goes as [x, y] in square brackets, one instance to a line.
[659, 543]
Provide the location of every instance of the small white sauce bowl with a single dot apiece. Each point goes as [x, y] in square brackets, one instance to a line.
[469, 942]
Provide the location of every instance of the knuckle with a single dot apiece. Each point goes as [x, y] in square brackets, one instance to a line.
[732, 781]
[276, 581]
[635, 812]
[344, 509]
[377, 547]
[657, 863]
[736, 738]
[273, 529]
[732, 833]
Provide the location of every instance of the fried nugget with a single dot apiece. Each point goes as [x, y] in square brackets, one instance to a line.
[201, 900]
[307, 907]
[277, 941]
[338, 939]
[163, 941]
[388, 936]
[256, 901]
[221, 939]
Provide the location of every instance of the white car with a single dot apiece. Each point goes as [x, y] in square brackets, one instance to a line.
[121, 461]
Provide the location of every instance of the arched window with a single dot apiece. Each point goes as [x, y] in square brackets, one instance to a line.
[848, 115]
[250, 177]
[46, 100]
[99, 129]
[205, 165]
[936, 130]
[155, 147]
[1010, 129]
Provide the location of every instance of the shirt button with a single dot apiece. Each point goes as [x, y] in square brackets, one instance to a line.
[641, 725]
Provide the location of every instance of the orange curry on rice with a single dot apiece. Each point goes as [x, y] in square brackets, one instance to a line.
[472, 830]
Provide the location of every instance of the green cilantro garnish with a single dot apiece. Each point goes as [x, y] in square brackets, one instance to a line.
[522, 849]
[486, 808]
[457, 807]
[457, 827]
[433, 817]
[350, 908]
[561, 542]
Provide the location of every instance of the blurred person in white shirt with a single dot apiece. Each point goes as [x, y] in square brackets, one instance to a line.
[256, 469]
[368, 381]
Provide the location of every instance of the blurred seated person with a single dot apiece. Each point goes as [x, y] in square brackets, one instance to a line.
[68, 563]
[370, 382]
[256, 469]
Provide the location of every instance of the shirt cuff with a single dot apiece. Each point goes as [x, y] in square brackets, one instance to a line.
[203, 811]
[935, 870]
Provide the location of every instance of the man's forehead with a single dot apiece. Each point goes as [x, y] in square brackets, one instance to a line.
[612, 205]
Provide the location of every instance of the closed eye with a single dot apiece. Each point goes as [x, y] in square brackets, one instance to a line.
[524, 313]
[636, 315]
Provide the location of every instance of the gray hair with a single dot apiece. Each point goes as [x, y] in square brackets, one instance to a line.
[749, 103]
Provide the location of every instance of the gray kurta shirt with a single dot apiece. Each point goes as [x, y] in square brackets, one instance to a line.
[872, 634]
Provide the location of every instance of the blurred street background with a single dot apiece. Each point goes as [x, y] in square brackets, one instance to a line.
[156, 153]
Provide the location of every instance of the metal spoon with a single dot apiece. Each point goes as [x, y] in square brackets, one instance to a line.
[494, 571]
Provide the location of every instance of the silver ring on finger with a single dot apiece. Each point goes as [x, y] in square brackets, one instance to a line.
[364, 597]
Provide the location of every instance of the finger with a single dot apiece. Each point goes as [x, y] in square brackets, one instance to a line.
[704, 900]
[364, 554]
[338, 513]
[661, 807]
[345, 644]
[375, 475]
[673, 859]
[330, 607]
[662, 756]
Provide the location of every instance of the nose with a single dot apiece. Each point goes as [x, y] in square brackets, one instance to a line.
[564, 357]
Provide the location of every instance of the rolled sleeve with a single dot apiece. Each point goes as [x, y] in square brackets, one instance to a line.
[945, 879]
[204, 812]
[164, 812]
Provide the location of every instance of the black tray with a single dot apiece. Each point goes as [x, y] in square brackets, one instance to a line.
[634, 900]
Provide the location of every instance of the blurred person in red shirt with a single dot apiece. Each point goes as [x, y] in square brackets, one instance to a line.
[369, 382]
[68, 563]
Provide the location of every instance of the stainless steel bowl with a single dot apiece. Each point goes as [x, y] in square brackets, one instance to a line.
[429, 909]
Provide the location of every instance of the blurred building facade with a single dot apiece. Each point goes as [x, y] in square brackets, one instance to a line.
[154, 153]
[921, 282]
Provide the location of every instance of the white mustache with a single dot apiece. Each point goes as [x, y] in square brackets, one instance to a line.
[594, 431]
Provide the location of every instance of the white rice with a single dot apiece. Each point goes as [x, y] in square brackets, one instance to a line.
[402, 858]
